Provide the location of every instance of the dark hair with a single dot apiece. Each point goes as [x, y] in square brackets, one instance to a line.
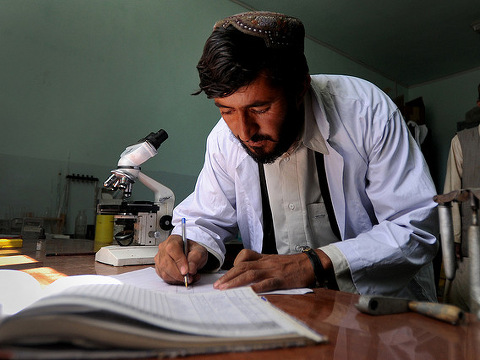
[232, 59]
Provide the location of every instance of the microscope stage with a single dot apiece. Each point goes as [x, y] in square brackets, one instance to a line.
[117, 255]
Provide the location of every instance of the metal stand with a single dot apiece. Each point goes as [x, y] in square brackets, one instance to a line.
[446, 233]
[474, 255]
[448, 247]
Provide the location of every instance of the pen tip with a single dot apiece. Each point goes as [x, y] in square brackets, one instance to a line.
[186, 281]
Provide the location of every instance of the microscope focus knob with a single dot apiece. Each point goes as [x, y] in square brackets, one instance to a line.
[166, 223]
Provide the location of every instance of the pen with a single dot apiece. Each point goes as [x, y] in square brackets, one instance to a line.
[185, 248]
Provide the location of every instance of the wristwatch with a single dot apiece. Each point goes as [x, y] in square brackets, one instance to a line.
[318, 269]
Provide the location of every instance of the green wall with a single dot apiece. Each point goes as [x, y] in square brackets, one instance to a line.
[82, 79]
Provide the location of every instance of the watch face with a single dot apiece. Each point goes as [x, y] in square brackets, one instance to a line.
[302, 248]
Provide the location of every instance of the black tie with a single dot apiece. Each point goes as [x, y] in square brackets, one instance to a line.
[322, 179]
[269, 245]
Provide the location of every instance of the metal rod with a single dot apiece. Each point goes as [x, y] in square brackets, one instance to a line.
[474, 255]
[448, 246]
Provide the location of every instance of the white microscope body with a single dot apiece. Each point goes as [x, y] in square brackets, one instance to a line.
[139, 226]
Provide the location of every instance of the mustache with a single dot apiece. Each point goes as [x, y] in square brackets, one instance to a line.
[257, 137]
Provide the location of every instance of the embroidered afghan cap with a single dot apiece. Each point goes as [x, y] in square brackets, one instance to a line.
[277, 30]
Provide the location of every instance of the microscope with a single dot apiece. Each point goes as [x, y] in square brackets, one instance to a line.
[139, 226]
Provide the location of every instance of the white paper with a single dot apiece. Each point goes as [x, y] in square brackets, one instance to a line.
[148, 279]
[17, 290]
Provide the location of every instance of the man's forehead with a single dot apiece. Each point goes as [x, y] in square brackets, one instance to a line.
[256, 93]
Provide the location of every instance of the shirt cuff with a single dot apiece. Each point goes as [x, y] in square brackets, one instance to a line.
[340, 268]
[215, 260]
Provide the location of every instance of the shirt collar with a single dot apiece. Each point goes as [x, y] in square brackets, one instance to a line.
[312, 137]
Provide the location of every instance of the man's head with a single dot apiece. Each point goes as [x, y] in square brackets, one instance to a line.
[244, 45]
[249, 51]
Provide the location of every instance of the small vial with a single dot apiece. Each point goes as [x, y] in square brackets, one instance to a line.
[41, 240]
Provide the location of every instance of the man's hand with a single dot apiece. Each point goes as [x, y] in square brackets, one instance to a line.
[268, 272]
[171, 263]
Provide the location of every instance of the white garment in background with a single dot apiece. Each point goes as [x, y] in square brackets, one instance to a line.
[419, 132]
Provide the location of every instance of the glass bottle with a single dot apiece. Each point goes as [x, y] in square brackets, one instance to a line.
[80, 225]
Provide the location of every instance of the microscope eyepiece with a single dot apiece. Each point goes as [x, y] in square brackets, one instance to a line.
[156, 139]
[128, 166]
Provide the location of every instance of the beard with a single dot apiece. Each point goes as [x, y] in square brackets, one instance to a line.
[260, 155]
[289, 133]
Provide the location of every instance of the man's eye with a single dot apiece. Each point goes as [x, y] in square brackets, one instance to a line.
[260, 110]
[225, 112]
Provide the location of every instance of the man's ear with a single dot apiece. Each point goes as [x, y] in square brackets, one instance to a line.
[304, 89]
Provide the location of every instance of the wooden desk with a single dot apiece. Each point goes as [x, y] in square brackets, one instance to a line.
[352, 335]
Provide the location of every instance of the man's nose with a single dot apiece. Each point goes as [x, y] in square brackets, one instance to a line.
[247, 126]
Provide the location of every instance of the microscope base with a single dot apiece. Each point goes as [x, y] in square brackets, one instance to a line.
[117, 255]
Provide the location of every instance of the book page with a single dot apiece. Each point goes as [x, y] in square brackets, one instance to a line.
[231, 313]
[148, 279]
[77, 280]
[17, 290]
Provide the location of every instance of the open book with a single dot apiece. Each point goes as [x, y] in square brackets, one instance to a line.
[121, 316]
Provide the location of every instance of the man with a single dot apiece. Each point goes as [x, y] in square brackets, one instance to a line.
[463, 172]
[287, 143]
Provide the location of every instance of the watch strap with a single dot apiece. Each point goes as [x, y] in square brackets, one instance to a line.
[318, 269]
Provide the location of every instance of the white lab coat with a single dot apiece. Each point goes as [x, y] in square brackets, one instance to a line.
[379, 183]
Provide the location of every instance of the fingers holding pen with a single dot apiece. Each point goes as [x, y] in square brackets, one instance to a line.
[170, 262]
[172, 265]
